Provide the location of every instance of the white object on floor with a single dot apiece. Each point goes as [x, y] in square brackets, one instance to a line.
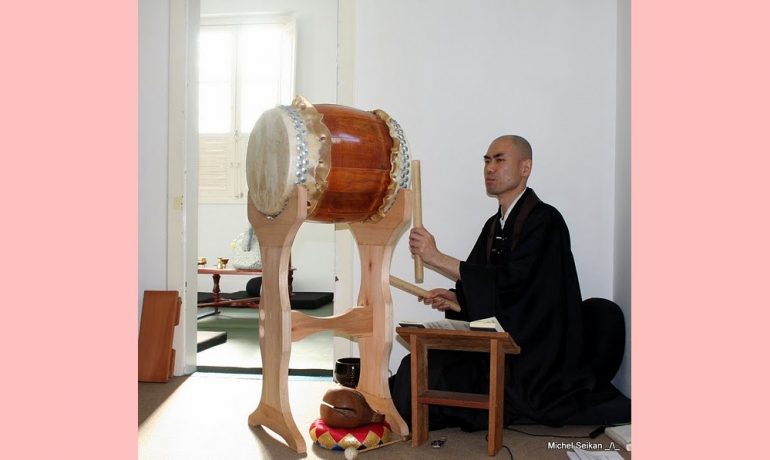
[621, 434]
[580, 454]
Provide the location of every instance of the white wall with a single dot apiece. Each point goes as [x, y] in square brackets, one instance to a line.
[153, 144]
[456, 75]
[316, 79]
[622, 262]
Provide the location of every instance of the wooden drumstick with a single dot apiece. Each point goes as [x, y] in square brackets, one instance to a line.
[419, 274]
[418, 291]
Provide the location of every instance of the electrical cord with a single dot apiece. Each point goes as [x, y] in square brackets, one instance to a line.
[486, 438]
[547, 435]
[593, 434]
[509, 451]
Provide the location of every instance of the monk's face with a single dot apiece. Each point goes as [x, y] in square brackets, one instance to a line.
[504, 169]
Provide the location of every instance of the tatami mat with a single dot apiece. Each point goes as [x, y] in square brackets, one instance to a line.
[241, 350]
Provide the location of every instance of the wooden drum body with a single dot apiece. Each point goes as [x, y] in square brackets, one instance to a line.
[352, 162]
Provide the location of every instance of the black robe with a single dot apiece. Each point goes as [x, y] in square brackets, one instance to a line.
[534, 292]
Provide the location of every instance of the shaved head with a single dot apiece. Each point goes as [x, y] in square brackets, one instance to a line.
[519, 143]
[507, 166]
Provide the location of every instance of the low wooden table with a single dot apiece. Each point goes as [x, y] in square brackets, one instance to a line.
[497, 344]
[218, 300]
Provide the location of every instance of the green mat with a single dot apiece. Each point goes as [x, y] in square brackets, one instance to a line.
[246, 318]
[313, 355]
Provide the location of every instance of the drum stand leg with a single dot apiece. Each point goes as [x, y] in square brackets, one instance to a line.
[371, 322]
[375, 245]
[275, 239]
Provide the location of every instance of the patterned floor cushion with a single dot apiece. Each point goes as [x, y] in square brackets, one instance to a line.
[360, 438]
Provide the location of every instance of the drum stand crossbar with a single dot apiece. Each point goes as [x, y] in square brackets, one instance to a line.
[370, 322]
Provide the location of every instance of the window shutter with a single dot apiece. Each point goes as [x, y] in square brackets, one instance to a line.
[217, 169]
[261, 51]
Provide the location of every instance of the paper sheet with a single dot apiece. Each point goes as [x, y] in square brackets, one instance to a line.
[580, 454]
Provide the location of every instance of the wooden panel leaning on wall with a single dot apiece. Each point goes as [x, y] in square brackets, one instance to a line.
[160, 314]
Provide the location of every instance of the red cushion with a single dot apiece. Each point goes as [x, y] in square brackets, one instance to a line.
[361, 437]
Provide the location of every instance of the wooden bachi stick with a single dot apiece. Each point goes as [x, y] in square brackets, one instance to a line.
[404, 439]
[418, 291]
[419, 273]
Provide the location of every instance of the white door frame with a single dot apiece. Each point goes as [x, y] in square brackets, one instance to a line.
[182, 214]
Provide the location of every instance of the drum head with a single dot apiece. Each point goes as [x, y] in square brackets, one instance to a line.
[288, 146]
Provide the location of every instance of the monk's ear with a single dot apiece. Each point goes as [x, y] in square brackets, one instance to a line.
[526, 168]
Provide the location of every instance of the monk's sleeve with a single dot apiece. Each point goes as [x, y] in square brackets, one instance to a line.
[478, 255]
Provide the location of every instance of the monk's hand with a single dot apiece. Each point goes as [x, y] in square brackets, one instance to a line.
[438, 299]
[423, 244]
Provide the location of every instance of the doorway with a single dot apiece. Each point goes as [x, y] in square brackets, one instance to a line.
[231, 98]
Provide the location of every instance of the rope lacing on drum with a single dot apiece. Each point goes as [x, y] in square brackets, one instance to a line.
[406, 170]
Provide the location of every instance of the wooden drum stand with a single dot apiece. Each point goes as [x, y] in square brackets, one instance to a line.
[371, 322]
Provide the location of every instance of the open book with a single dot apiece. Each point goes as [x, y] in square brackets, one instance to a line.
[487, 324]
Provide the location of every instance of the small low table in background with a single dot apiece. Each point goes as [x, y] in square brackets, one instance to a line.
[219, 301]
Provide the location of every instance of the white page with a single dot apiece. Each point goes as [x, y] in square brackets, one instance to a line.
[450, 324]
[581, 454]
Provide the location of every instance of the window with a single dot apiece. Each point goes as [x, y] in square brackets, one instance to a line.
[243, 69]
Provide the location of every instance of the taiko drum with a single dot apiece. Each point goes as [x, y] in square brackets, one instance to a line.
[352, 162]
